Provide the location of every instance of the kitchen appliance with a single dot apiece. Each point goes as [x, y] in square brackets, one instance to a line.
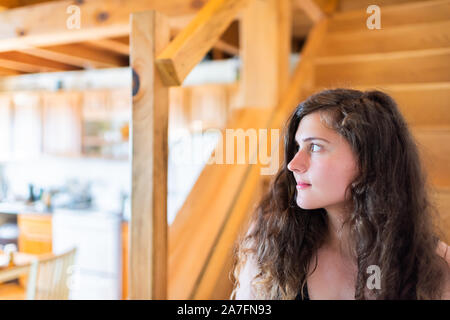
[96, 273]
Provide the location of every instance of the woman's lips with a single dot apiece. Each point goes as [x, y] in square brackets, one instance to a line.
[303, 186]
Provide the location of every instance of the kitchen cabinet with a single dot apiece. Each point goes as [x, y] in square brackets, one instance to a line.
[93, 123]
[27, 125]
[35, 233]
[106, 115]
[97, 267]
[103, 254]
[5, 126]
[62, 123]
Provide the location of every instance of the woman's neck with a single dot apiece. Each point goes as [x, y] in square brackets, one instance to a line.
[338, 236]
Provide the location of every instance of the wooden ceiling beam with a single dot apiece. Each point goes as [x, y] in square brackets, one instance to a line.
[111, 45]
[193, 42]
[45, 24]
[20, 3]
[10, 3]
[227, 48]
[8, 72]
[79, 55]
[27, 63]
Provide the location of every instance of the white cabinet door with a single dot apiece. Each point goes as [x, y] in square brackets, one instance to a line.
[98, 260]
[62, 123]
[27, 125]
[5, 127]
[91, 286]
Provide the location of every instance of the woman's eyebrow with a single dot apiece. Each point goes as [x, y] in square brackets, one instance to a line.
[315, 138]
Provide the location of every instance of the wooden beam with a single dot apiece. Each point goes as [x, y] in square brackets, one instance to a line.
[265, 51]
[177, 25]
[26, 63]
[21, 3]
[79, 55]
[150, 34]
[111, 45]
[190, 45]
[10, 3]
[46, 24]
[310, 7]
[8, 72]
[226, 47]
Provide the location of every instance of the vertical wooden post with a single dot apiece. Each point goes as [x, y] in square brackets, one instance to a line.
[265, 41]
[150, 34]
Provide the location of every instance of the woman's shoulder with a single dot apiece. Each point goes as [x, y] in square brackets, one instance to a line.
[443, 250]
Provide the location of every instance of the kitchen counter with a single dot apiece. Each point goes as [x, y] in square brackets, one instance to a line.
[21, 208]
[15, 208]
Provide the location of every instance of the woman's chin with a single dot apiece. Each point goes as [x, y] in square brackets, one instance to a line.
[304, 205]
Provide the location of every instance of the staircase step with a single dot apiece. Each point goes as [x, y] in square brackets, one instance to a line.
[398, 38]
[367, 70]
[441, 199]
[422, 104]
[392, 16]
[434, 149]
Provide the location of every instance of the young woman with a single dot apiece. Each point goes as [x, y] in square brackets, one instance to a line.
[348, 215]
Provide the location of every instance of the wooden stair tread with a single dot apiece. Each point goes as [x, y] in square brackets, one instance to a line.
[392, 15]
[441, 199]
[428, 66]
[432, 35]
[422, 104]
[434, 148]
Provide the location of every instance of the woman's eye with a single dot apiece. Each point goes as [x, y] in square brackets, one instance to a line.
[312, 145]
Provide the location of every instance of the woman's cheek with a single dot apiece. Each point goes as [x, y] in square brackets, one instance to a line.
[330, 177]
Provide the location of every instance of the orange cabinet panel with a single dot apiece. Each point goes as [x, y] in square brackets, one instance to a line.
[35, 233]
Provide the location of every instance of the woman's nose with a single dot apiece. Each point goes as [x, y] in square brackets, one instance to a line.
[298, 163]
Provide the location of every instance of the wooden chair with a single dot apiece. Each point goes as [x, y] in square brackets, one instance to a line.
[49, 280]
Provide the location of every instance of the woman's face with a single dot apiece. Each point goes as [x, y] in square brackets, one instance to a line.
[325, 161]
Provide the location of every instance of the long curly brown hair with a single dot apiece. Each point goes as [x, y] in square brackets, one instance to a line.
[392, 224]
